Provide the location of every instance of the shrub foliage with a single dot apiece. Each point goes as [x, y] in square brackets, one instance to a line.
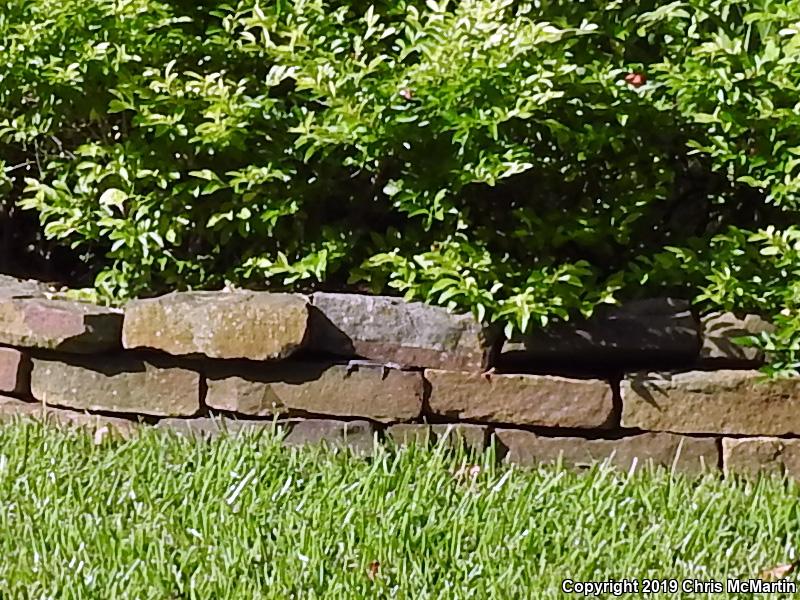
[524, 160]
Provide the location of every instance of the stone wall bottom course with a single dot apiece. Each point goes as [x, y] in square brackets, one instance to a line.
[761, 455]
[357, 436]
[472, 437]
[13, 408]
[747, 456]
[683, 453]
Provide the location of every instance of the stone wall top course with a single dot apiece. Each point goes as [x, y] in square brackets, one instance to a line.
[391, 330]
[11, 287]
[227, 325]
[62, 325]
[656, 332]
[719, 331]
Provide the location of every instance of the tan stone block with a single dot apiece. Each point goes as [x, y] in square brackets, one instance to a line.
[751, 456]
[376, 393]
[725, 401]
[14, 372]
[11, 287]
[638, 334]
[250, 325]
[685, 454]
[209, 427]
[117, 383]
[521, 399]
[357, 436]
[12, 408]
[61, 325]
[720, 329]
[469, 436]
[391, 330]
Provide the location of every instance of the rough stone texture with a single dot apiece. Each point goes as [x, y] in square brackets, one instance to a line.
[718, 348]
[210, 427]
[521, 399]
[469, 436]
[117, 383]
[316, 388]
[358, 436]
[658, 331]
[391, 330]
[12, 408]
[11, 287]
[751, 456]
[61, 325]
[14, 372]
[252, 325]
[725, 401]
[686, 454]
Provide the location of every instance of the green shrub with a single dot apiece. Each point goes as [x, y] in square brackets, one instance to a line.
[495, 156]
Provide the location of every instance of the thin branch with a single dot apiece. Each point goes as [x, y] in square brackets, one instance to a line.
[19, 166]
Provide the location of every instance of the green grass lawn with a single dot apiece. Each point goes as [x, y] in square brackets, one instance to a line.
[160, 516]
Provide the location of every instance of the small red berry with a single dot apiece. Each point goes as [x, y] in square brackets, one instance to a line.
[635, 79]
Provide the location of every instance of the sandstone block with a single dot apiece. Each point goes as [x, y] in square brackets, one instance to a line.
[719, 330]
[11, 287]
[117, 383]
[686, 454]
[14, 372]
[357, 436]
[209, 427]
[521, 399]
[12, 408]
[250, 325]
[724, 401]
[472, 437]
[391, 330]
[751, 456]
[655, 331]
[316, 388]
[61, 325]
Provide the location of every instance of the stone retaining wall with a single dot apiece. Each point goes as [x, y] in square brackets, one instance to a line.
[648, 382]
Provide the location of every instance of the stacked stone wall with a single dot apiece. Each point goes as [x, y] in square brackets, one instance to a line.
[646, 382]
